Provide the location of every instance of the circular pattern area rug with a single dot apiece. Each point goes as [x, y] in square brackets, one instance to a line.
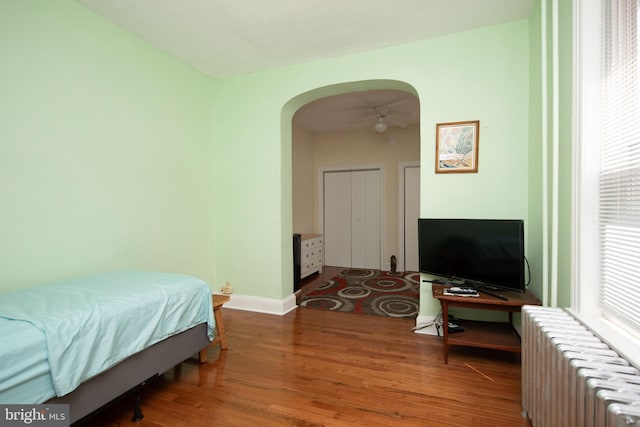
[385, 293]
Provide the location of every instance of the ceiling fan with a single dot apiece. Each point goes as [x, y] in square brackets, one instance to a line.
[383, 118]
[381, 125]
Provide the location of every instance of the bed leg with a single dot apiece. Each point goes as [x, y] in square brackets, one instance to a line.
[137, 410]
[202, 355]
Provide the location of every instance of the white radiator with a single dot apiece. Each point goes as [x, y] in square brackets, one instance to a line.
[572, 378]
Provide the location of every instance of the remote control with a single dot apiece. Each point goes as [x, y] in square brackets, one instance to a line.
[462, 291]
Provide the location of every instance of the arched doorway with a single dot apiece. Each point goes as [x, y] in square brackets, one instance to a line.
[347, 142]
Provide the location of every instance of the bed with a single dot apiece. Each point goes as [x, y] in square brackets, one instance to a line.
[87, 341]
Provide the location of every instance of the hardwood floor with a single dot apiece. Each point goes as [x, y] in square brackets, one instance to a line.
[319, 368]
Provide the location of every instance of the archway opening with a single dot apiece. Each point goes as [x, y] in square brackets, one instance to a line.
[336, 130]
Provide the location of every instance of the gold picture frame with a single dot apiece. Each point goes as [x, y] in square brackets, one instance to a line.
[457, 147]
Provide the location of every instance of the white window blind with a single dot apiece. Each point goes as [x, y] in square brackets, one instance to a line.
[619, 227]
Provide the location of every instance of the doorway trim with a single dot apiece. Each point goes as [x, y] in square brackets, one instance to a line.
[402, 166]
[363, 167]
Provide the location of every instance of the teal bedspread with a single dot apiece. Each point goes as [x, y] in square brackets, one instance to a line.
[24, 370]
[92, 323]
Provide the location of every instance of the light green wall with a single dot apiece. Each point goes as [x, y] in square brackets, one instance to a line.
[534, 240]
[565, 119]
[478, 75]
[560, 86]
[105, 150]
[114, 155]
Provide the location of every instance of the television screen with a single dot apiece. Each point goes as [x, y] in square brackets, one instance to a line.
[479, 251]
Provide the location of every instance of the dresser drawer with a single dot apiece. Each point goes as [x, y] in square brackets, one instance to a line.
[309, 244]
[311, 254]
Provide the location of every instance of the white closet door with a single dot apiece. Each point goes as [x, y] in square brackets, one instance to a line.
[337, 218]
[352, 219]
[411, 215]
[365, 217]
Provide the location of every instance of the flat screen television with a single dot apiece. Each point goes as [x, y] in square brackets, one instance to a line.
[476, 252]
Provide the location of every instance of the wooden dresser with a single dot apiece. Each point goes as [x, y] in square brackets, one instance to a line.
[311, 254]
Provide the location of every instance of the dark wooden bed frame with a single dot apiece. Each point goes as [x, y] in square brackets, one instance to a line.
[134, 371]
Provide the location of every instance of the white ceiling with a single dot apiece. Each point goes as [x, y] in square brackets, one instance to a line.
[226, 37]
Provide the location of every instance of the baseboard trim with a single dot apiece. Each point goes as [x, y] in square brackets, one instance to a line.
[262, 305]
[426, 320]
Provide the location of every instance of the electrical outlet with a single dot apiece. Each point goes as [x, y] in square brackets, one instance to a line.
[227, 288]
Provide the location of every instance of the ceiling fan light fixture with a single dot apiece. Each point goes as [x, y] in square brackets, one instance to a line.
[380, 127]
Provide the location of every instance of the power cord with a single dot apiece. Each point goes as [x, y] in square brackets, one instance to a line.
[436, 321]
[528, 272]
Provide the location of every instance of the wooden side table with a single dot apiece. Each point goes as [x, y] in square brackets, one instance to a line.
[496, 335]
[221, 338]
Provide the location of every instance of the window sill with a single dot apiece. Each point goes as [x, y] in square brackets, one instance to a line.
[619, 340]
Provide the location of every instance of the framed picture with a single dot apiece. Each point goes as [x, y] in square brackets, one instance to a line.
[457, 147]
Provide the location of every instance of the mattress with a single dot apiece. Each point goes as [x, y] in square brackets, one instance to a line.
[85, 326]
[24, 369]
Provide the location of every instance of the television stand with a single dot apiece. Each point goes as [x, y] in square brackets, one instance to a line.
[493, 294]
[495, 335]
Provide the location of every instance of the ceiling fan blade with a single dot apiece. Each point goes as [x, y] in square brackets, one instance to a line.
[397, 123]
[399, 115]
[363, 120]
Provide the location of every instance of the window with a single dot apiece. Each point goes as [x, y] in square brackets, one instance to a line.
[620, 166]
[607, 142]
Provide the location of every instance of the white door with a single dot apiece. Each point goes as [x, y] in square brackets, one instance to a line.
[352, 218]
[365, 217]
[411, 215]
[337, 219]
